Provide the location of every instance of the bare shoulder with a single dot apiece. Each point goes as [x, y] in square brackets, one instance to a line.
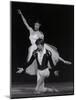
[31, 29]
[41, 32]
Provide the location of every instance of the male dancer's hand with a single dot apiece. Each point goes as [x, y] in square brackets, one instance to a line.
[20, 70]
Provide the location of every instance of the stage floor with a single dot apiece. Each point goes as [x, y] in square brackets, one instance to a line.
[28, 90]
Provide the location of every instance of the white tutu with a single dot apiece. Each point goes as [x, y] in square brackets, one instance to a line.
[32, 69]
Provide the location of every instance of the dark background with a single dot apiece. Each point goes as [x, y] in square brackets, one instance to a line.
[57, 24]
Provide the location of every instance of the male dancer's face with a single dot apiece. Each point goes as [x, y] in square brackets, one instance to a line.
[40, 47]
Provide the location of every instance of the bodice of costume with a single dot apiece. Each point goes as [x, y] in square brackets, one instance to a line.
[44, 63]
[34, 35]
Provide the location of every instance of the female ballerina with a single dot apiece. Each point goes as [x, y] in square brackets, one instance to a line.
[35, 34]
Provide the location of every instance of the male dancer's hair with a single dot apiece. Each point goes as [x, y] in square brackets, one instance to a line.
[39, 41]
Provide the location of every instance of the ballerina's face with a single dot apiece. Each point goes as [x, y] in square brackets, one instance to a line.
[36, 26]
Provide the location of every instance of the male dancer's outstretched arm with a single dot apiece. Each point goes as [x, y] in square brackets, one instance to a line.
[56, 72]
[61, 59]
[24, 20]
[64, 61]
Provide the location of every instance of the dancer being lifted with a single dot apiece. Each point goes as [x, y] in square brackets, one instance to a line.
[35, 34]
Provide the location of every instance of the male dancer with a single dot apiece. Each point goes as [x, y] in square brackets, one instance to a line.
[42, 56]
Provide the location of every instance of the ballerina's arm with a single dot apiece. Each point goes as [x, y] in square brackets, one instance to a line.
[24, 20]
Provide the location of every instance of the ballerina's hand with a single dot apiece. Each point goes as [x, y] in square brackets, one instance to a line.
[19, 11]
[67, 62]
[20, 70]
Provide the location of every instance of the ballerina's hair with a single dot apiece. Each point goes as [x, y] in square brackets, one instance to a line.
[37, 21]
[39, 41]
